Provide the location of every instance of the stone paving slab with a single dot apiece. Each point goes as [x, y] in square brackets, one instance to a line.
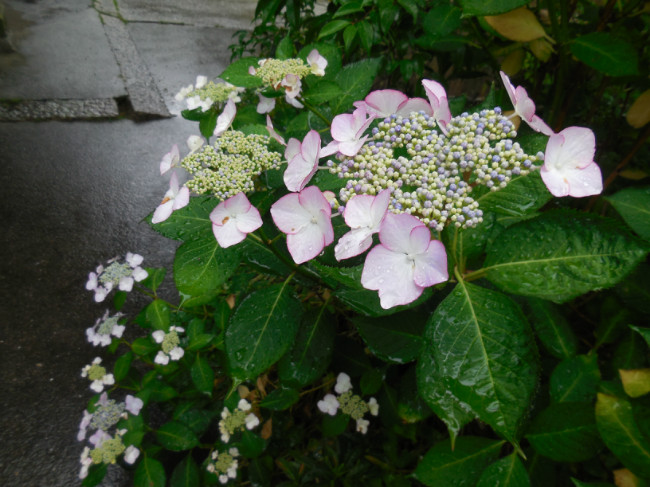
[59, 109]
[62, 53]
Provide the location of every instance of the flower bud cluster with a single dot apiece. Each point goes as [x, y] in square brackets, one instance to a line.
[98, 375]
[204, 94]
[170, 345]
[231, 165]
[116, 274]
[431, 174]
[351, 404]
[224, 464]
[103, 330]
[274, 71]
[237, 420]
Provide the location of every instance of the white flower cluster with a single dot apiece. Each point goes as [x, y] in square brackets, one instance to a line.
[100, 333]
[224, 464]
[170, 344]
[204, 94]
[116, 273]
[237, 420]
[107, 448]
[97, 374]
[350, 404]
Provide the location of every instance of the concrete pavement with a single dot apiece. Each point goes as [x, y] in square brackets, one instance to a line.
[86, 112]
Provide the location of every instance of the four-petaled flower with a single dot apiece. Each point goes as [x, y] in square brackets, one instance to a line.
[233, 219]
[302, 159]
[305, 218]
[569, 168]
[524, 106]
[384, 103]
[405, 262]
[317, 63]
[347, 131]
[439, 104]
[175, 199]
[170, 345]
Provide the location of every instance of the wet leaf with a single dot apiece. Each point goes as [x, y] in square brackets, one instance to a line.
[552, 328]
[186, 473]
[237, 73]
[190, 222]
[575, 379]
[444, 467]
[158, 314]
[150, 473]
[490, 7]
[356, 80]
[280, 399]
[122, 366]
[634, 206]
[565, 432]
[332, 27]
[202, 375]
[395, 339]
[620, 433]
[522, 196]
[154, 278]
[322, 92]
[506, 472]
[606, 53]
[442, 20]
[562, 254]
[644, 332]
[485, 355]
[176, 436]
[261, 330]
[636, 383]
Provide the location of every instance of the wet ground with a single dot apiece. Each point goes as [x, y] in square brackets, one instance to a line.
[91, 113]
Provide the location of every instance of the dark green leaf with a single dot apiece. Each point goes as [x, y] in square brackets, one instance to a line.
[96, 474]
[202, 375]
[201, 266]
[322, 92]
[565, 432]
[490, 7]
[251, 445]
[575, 379]
[442, 20]
[644, 332]
[186, 473]
[194, 115]
[158, 314]
[285, 49]
[335, 425]
[606, 53]
[261, 330]
[156, 390]
[634, 206]
[332, 27]
[552, 328]
[176, 436]
[237, 73]
[197, 420]
[395, 339]
[411, 408]
[444, 467]
[208, 123]
[388, 14]
[620, 433]
[349, 34]
[506, 472]
[355, 80]
[366, 35]
[154, 278]
[190, 222]
[523, 196]
[562, 254]
[371, 381]
[143, 346]
[311, 353]
[150, 473]
[349, 8]
[122, 366]
[280, 399]
[410, 6]
[485, 355]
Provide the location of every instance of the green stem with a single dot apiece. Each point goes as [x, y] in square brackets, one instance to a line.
[473, 276]
[311, 108]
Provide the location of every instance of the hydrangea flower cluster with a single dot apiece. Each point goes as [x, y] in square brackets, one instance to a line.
[170, 344]
[231, 165]
[106, 447]
[430, 173]
[104, 328]
[116, 273]
[350, 404]
[224, 464]
[98, 375]
[203, 94]
[237, 420]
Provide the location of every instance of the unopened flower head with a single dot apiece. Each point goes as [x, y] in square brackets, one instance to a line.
[107, 413]
[274, 71]
[231, 165]
[98, 375]
[237, 420]
[109, 449]
[224, 464]
[116, 274]
[170, 344]
[205, 94]
[104, 329]
[429, 173]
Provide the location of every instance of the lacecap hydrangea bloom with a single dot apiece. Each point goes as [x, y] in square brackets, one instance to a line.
[104, 329]
[116, 274]
[170, 344]
[204, 94]
[238, 420]
[348, 403]
[98, 375]
[224, 464]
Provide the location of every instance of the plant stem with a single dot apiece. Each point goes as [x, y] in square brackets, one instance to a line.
[311, 108]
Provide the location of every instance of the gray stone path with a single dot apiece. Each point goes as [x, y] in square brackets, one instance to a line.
[75, 188]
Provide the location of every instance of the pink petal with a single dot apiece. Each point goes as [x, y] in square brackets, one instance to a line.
[385, 102]
[431, 266]
[350, 148]
[419, 239]
[289, 215]
[539, 125]
[225, 119]
[576, 149]
[587, 181]
[306, 244]
[510, 89]
[298, 173]
[293, 149]
[228, 234]
[343, 127]
[329, 149]
[525, 107]
[163, 212]
[272, 132]
[311, 146]
[250, 221]
[265, 104]
[395, 231]
[415, 105]
[438, 99]
[357, 211]
[182, 198]
[353, 243]
[379, 208]
[312, 200]
[237, 204]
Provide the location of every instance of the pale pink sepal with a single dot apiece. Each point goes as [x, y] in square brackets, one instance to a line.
[265, 104]
[347, 129]
[384, 103]
[439, 104]
[272, 132]
[233, 219]
[225, 119]
[317, 63]
[173, 200]
[302, 161]
[170, 160]
[524, 106]
[569, 168]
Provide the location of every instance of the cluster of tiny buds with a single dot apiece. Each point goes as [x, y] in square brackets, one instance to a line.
[348, 403]
[231, 165]
[273, 71]
[238, 420]
[224, 464]
[204, 94]
[431, 174]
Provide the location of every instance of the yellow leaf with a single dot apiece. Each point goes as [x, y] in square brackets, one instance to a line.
[624, 478]
[639, 113]
[541, 48]
[517, 25]
[636, 382]
[633, 174]
[513, 62]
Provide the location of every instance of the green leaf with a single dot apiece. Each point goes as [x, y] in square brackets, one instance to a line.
[197, 420]
[349, 34]
[366, 35]
[154, 278]
[606, 53]
[575, 379]
[208, 123]
[261, 330]
[251, 445]
[237, 73]
[356, 80]
[202, 375]
[176, 436]
[122, 366]
[395, 339]
[442, 20]
[96, 474]
[285, 49]
[195, 115]
[644, 332]
[523, 196]
[334, 425]
[411, 408]
[186, 473]
[349, 8]
[190, 222]
[444, 467]
[158, 391]
[489, 7]
[562, 254]
[388, 14]
[158, 314]
[506, 472]
[280, 399]
[322, 92]
[620, 433]
[143, 345]
[552, 328]
[577, 483]
[259, 255]
[311, 353]
[410, 6]
[565, 432]
[201, 266]
[332, 27]
[485, 354]
[634, 206]
[150, 473]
